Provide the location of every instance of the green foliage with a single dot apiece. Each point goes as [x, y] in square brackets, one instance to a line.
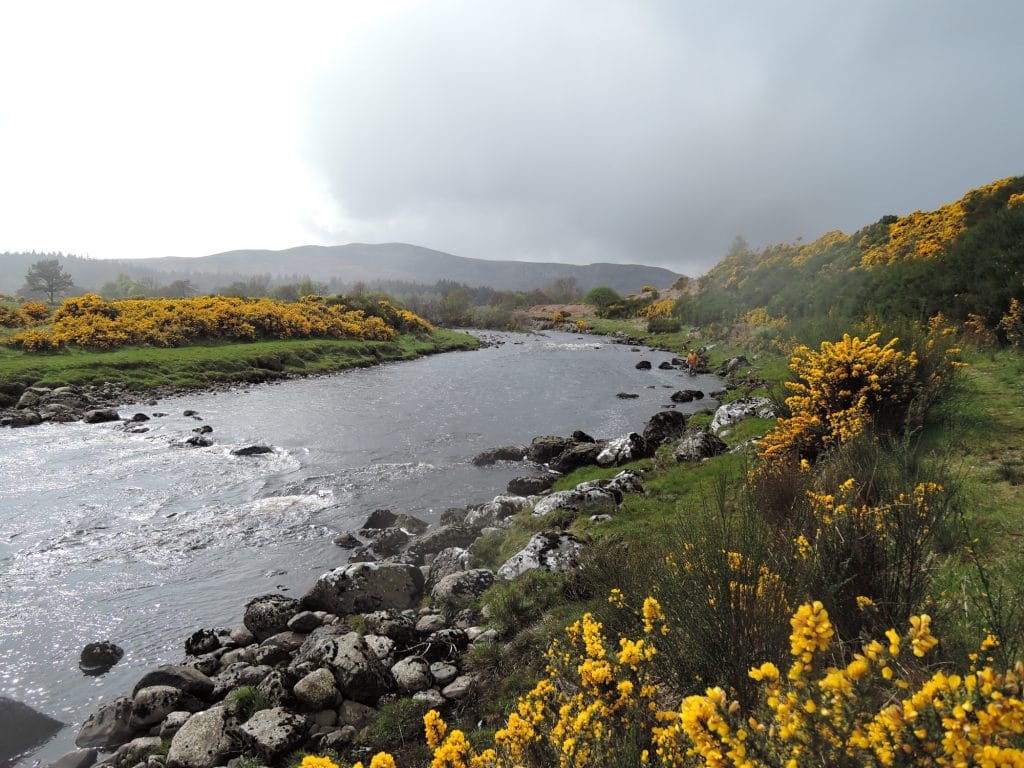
[602, 297]
[245, 701]
[515, 605]
[399, 724]
[47, 277]
[661, 324]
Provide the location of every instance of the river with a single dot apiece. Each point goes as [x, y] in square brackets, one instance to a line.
[106, 534]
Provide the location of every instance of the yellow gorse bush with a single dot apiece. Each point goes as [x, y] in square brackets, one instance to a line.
[92, 322]
[841, 389]
[661, 308]
[599, 705]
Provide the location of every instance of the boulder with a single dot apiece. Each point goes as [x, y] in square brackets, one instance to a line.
[191, 681]
[347, 541]
[22, 728]
[449, 561]
[627, 395]
[269, 614]
[384, 518]
[277, 687]
[199, 441]
[398, 627]
[443, 672]
[202, 742]
[589, 500]
[732, 365]
[317, 690]
[202, 641]
[358, 672]
[579, 436]
[663, 427]
[357, 715]
[237, 675]
[505, 453]
[305, 621]
[548, 550]
[412, 674]
[496, 510]
[455, 535]
[97, 658]
[430, 698]
[576, 456]
[206, 429]
[270, 734]
[464, 587]
[430, 623]
[459, 688]
[363, 587]
[695, 446]
[99, 415]
[79, 758]
[530, 486]
[109, 726]
[643, 365]
[153, 703]
[686, 396]
[388, 541]
[252, 450]
[546, 447]
[665, 366]
[444, 645]
[622, 449]
[737, 410]
[172, 724]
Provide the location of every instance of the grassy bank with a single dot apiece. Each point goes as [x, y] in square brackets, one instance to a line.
[201, 365]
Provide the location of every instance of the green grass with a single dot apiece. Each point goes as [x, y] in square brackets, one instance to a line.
[143, 368]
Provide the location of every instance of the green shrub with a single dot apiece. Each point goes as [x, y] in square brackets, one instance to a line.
[662, 324]
[245, 701]
[514, 605]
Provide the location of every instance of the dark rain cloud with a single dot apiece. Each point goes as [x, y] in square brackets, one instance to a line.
[656, 132]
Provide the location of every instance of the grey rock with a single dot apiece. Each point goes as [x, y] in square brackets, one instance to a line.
[698, 445]
[252, 450]
[241, 636]
[304, 621]
[269, 614]
[362, 587]
[109, 726]
[430, 623]
[643, 365]
[576, 456]
[430, 698]
[347, 541]
[382, 647]
[357, 715]
[172, 723]
[530, 486]
[548, 550]
[202, 641]
[358, 672]
[99, 415]
[663, 427]
[388, 541]
[622, 449]
[459, 688]
[380, 519]
[449, 561]
[79, 758]
[191, 681]
[455, 535]
[317, 690]
[97, 658]
[737, 410]
[590, 500]
[412, 674]
[443, 672]
[199, 441]
[627, 395]
[546, 447]
[505, 453]
[272, 733]
[153, 703]
[237, 675]
[732, 365]
[464, 587]
[445, 644]
[399, 627]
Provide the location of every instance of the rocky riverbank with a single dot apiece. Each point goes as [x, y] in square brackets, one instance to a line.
[400, 622]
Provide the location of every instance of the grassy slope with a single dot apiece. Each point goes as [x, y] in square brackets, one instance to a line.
[144, 368]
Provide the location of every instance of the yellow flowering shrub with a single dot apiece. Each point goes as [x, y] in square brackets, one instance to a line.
[841, 389]
[92, 322]
[922, 235]
[34, 341]
[661, 308]
[34, 312]
[1012, 323]
[10, 318]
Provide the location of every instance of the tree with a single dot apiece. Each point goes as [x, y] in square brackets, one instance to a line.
[602, 297]
[48, 276]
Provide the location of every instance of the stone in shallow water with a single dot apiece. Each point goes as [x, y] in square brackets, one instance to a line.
[98, 658]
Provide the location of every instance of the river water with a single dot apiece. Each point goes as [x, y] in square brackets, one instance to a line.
[106, 534]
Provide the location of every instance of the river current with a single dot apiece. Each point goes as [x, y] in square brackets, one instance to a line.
[106, 534]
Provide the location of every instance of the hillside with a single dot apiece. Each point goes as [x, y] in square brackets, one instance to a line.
[356, 262]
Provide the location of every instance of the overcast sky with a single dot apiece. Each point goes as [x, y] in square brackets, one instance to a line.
[578, 130]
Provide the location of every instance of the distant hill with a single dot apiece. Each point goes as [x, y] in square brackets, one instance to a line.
[356, 262]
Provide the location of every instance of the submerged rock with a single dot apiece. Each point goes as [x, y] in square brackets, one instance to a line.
[98, 658]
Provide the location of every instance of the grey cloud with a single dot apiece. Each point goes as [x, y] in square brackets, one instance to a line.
[656, 132]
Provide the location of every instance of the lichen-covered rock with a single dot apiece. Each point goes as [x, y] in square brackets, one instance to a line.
[743, 408]
[363, 587]
[317, 690]
[399, 627]
[464, 587]
[622, 449]
[153, 703]
[530, 486]
[412, 674]
[272, 733]
[109, 726]
[695, 446]
[548, 550]
[546, 447]
[449, 561]
[202, 742]
[454, 535]
[269, 614]
[577, 455]
[589, 500]
[358, 672]
[662, 427]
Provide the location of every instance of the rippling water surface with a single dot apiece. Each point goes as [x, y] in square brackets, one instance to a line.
[106, 534]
